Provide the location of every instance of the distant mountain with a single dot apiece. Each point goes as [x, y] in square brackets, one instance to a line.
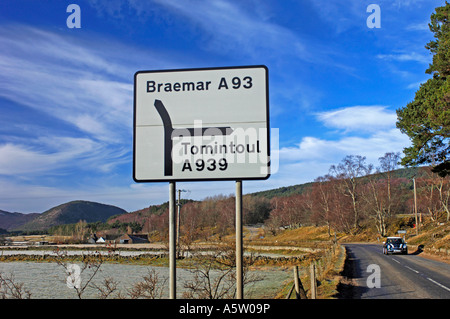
[284, 191]
[11, 221]
[72, 212]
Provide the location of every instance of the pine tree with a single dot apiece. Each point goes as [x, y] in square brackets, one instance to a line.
[426, 120]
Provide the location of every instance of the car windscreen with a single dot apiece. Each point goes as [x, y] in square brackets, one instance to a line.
[395, 241]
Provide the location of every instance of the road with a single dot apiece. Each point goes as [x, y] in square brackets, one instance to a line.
[400, 276]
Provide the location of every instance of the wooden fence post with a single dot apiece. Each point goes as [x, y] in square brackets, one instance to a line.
[299, 290]
[313, 281]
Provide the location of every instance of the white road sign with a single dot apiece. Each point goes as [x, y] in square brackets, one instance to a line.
[201, 124]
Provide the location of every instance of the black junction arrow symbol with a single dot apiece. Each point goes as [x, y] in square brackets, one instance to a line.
[170, 133]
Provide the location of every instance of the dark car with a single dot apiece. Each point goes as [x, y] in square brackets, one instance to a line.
[394, 245]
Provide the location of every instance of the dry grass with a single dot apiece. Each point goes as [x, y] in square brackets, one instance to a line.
[307, 233]
[308, 236]
[327, 281]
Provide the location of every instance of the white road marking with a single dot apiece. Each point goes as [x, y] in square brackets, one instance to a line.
[439, 284]
[395, 260]
[412, 269]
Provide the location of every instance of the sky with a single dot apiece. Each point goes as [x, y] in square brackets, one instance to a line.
[66, 93]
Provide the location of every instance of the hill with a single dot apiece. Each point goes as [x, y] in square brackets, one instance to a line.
[284, 191]
[142, 215]
[75, 211]
[9, 221]
[258, 208]
[406, 173]
[72, 212]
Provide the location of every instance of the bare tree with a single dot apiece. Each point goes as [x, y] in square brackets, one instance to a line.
[107, 288]
[433, 193]
[289, 211]
[80, 231]
[321, 194]
[348, 171]
[214, 274]
[428, 196]
[443, 188]
[378, 192]
[389, 163]
[152, 287]
[376, 203]
[92, 261]
[11, 289]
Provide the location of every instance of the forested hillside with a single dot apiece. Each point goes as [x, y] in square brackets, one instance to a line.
[350, 198]
[351, 195]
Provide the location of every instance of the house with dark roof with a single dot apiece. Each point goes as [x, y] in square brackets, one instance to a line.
[133, 239]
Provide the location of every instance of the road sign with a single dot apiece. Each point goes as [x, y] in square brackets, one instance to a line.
[201, 124]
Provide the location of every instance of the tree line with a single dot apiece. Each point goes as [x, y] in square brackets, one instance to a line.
[352, 194]
[355, 193]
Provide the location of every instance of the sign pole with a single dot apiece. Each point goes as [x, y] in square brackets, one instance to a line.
[239, 245]
[178, 222]
[172, 240]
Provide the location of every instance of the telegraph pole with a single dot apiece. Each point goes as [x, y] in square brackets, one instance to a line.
[415, 206]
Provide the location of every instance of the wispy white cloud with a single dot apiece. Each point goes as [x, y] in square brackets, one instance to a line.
[313, 156]
[231, 28]
[53, 155]
[66, 81]
[359, 118]
[82, 91]
[374, 146]
[404, 57]
[403, 3]
[341, 14]
[347, 15]
[84, 87]
[361, 130]
[418, 27]
[416, 85]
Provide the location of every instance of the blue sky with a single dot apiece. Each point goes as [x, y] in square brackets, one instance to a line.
[66, 94]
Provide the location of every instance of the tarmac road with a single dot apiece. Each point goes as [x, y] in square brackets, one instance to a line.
[372, 275]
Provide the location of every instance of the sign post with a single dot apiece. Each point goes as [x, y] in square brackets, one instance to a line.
[239, 244]
[209, 124]
[172, 242]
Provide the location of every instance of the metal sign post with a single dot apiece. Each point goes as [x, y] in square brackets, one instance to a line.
[239, 244]
[172, 241]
